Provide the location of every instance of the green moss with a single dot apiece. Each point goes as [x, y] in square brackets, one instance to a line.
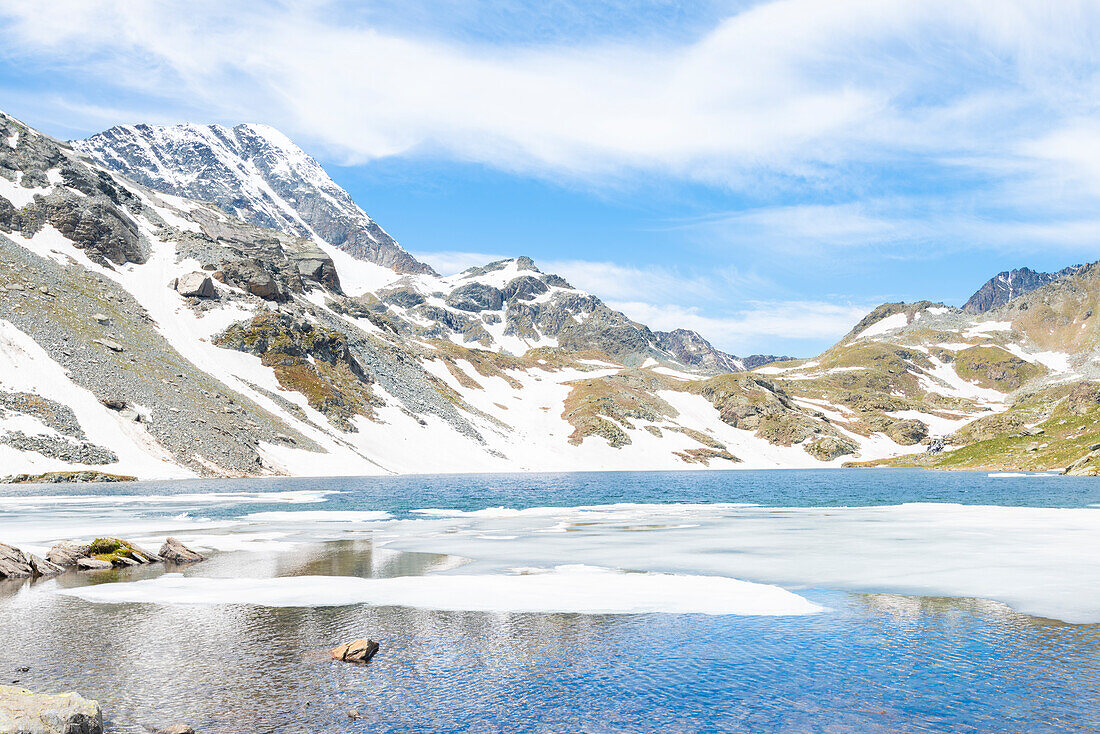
[114, 550]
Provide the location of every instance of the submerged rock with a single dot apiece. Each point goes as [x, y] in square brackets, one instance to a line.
[31, 713]
[174, 551]
[178, 729]
[358, 651]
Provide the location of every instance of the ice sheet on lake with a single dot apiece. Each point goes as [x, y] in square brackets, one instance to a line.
[1040, 561]
[565, 589]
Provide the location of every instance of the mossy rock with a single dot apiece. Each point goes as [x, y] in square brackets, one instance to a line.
[827, 448]
[994, 367]
[907, 432]
[118, 552]
[705, 455]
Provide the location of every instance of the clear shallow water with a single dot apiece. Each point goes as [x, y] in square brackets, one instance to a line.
[873, 662]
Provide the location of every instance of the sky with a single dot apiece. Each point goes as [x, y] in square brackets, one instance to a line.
[764, 172]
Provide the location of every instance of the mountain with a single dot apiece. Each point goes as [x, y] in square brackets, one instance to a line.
[1015, 388]
[1003, 287]
[149, 334]
[253, 172]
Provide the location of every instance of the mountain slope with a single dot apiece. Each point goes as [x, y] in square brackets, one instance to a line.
[1015, 388]
[253, 172]
[1003, 287]
[148, 334]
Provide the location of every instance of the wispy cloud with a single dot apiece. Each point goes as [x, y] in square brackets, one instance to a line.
[761, 325]
[800, 88]
[451, 262]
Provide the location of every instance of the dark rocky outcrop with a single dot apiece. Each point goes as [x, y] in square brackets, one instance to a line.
[1003, 287]
[693, 350]
[219, 164]
[476, 297]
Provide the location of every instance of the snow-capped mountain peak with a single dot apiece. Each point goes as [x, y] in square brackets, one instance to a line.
[254, 172]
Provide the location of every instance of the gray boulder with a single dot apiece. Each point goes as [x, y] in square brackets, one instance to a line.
[178, 729]
[195, 285]
[93, 564]
[14, 563]
[42, 567]
[174, 551]
[67, 553]
[31, 713]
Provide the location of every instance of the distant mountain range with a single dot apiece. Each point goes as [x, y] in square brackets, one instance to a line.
[204, 300]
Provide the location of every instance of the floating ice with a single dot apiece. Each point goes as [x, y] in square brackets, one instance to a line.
[566, 589]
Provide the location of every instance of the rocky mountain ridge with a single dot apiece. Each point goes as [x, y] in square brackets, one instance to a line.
[143, 333]
[253, 172]
[1010, 284]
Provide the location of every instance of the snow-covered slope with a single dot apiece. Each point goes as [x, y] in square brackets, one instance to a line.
[151, 334]
[253, 172]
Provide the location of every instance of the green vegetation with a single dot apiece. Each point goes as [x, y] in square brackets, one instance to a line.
[309, 359]
[61, 477]
[994, 367]
[117, 552]
[1046, 430]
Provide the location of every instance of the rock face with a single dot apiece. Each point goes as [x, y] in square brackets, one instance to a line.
[14, 563]
[23, 712]
[1003, 287]
[195, 285]
[174, 551]
[358, 651]
[692, 349]
[67, 553]
[254, 172]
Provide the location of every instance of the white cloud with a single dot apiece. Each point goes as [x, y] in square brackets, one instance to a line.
[451, 262]
[613, 281]
[761, 323]
[798, 87]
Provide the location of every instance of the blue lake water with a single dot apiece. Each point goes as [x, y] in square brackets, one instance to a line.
[923, 580]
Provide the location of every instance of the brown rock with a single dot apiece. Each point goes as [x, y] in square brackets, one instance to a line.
[174, 551]
[178, 729]
[358, 651]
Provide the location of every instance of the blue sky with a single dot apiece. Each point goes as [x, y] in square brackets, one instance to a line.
[763, 172]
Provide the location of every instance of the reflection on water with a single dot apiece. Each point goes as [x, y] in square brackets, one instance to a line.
[876, 663]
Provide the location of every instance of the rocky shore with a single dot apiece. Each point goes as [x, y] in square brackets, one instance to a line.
[99, 554]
